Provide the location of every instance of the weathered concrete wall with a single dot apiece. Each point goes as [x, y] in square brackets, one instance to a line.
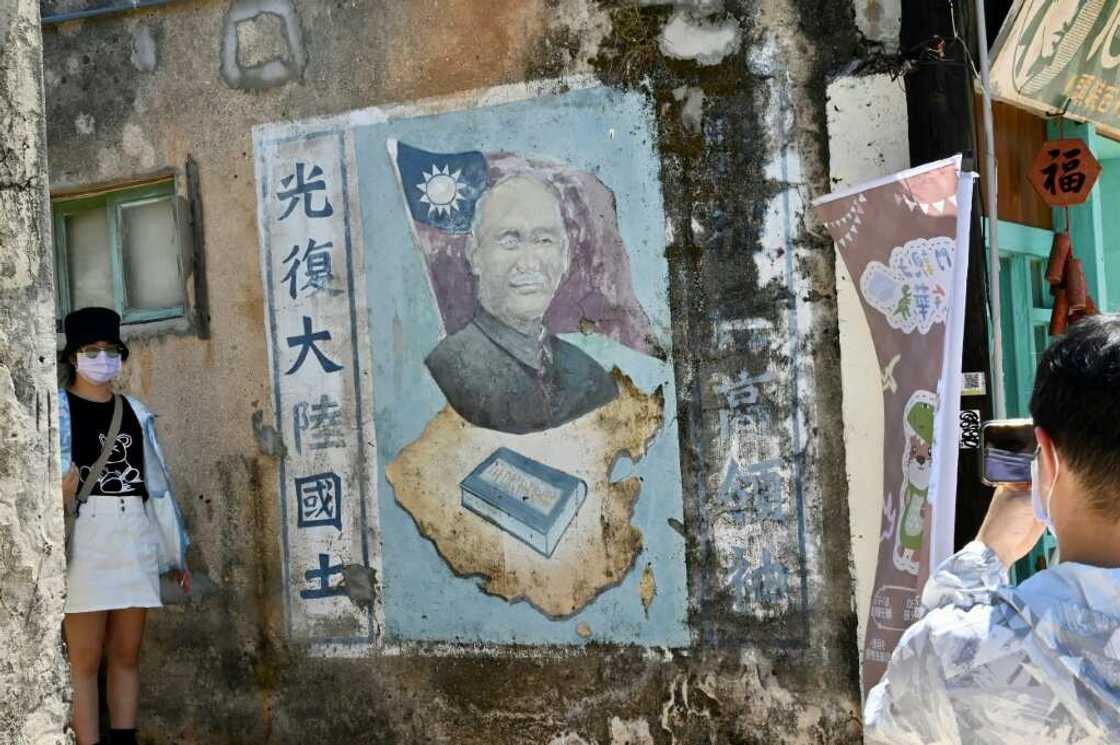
[737, 92]
[880, 21]
[859, 107]
[33, 685]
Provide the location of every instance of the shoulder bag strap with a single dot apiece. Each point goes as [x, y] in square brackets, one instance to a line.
[98, 467]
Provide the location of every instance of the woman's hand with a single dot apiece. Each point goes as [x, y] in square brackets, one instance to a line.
[183, 579]
[70, 483]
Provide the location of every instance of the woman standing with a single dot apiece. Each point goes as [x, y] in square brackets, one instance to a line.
[127, 528]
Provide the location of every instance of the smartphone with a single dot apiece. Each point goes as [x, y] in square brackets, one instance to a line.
[1007, 447]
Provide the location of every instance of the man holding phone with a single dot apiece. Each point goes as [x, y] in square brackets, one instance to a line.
[1037, 663]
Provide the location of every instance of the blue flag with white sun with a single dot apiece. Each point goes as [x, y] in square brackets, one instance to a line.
[442, 188]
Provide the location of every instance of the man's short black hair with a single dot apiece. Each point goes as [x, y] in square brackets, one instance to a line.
[1076, 400]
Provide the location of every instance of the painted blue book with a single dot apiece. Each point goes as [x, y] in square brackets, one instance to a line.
[533, 502]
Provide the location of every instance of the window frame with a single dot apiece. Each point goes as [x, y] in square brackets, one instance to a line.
[1019, 246]
[114, 201]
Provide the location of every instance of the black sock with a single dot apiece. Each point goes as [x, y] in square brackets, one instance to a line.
[122, 737]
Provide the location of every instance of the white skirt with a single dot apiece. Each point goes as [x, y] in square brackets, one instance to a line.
[115, 558]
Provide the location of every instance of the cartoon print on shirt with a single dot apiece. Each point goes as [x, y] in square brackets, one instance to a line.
[119, 475]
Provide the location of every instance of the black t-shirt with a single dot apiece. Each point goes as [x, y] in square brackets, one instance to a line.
[89, 425]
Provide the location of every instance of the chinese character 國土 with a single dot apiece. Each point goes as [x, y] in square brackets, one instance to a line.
[320, 501]
[307, 343]
[322, 420]
[317, 266]
[304, 190]
[323, 575]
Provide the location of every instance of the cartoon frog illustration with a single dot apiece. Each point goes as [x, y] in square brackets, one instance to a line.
[917, 466]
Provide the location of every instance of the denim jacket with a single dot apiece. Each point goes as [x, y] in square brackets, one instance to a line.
[157, 478]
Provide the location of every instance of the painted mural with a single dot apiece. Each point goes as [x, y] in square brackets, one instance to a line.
[516, 331]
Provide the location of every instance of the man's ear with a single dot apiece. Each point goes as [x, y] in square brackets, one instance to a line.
[1047, 464]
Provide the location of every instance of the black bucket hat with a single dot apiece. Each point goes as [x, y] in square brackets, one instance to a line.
[89, 325]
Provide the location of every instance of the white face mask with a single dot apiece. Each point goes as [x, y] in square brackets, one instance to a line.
[1042, 511]
[100, 369]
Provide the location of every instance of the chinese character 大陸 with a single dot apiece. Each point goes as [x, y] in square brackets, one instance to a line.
[323, 575]
[307, 343]
[756, 489]
[322, 420]
[320, 501]
[317, 268]
[304, 189]
[1067, 163]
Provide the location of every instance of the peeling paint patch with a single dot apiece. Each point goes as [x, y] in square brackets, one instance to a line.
[569, 738]
[599, 547]
[692, 110]
[647, 588]
[269, 441]
[84, 123]
[135, 144]
[631, 732]
[687, 37]
[704, 6]
[361, 584]
[16, 271]
[262, 44]
[144, 56]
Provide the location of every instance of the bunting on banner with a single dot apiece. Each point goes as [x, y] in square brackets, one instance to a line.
[904, 240]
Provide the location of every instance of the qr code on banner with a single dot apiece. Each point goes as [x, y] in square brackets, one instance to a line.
[970, 429]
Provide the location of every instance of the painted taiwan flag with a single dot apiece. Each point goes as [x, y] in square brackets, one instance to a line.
[441, 189]
[440, 194]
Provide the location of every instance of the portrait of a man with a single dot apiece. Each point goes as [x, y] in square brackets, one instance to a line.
[504, 370]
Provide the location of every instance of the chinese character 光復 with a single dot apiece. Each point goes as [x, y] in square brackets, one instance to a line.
[322, 420]
[307, 343]
[304, 191]
[320, 501]
[323, 576]
[317, 268]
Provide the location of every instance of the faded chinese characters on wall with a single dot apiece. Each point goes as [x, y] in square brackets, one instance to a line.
[511, 323]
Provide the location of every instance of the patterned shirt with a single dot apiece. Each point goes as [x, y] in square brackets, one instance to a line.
[991, 663]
